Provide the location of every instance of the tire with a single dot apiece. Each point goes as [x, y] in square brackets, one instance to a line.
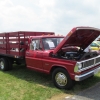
[61, 79]
[4, 64]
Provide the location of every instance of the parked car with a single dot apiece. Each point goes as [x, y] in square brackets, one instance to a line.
[95, 45]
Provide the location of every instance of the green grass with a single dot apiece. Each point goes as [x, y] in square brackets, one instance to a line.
[23, 84]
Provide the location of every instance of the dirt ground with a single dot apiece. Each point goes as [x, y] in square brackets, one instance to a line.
[60, 97]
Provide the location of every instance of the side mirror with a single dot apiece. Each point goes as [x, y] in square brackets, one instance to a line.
[51, 54]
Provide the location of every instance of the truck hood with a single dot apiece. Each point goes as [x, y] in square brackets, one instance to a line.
[79, 36]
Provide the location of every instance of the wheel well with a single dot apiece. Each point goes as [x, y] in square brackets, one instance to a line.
[55, 67]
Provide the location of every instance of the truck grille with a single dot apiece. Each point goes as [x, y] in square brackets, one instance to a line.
[88, 63]
[97, 60]
[91, 62]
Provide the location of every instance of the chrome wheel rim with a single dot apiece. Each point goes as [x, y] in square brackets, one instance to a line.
[61, 79]
[2, 65]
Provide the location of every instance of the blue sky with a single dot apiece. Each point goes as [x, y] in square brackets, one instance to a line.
[58, 16]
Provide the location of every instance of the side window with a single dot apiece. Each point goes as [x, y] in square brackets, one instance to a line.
[35, 44]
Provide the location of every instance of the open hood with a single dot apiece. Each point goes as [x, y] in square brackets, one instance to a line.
[79, 36]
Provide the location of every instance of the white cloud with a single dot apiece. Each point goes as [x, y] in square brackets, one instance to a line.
[46, 3]
[48, 15]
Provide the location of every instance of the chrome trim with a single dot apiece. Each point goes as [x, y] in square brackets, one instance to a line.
[95, 64]
[61, 79]
[86, 75]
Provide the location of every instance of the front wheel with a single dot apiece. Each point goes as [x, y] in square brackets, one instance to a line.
[62, 79]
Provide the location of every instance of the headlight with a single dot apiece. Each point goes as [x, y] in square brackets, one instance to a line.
[78, 66]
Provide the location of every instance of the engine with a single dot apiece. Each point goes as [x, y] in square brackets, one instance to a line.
[78, 55]
[71, 55]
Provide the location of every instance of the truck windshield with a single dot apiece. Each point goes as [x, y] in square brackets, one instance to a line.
[51, 43]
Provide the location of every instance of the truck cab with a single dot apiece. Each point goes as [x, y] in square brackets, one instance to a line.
[39, 51]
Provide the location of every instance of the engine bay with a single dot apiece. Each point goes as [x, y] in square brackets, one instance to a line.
[71, 55]
[76, 55]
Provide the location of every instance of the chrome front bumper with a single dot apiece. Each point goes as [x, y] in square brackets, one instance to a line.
[86, 75]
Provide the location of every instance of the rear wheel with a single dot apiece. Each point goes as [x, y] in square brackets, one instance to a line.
[3, 64]
[62, 79]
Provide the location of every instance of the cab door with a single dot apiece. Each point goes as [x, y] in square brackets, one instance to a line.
[34, 56]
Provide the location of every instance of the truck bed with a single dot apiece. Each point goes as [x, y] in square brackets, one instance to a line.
[15, 44]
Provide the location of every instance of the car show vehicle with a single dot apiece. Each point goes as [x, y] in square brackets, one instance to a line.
[50, 54]
[95, 45]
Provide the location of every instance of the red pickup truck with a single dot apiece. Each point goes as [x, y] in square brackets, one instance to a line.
[62, 57]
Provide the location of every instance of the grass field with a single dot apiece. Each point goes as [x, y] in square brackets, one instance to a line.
[23, 84]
